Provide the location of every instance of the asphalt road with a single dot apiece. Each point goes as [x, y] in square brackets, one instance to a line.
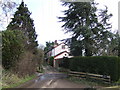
[51, 79]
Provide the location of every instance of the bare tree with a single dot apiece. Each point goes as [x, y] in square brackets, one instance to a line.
[7, 8]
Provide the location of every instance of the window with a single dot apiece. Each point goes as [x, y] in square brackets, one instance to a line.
[63, 46]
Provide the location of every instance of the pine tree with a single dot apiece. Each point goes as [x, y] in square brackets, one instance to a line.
[89, 27]
[22, 21]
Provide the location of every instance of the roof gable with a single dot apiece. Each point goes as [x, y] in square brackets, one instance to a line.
[61, 53]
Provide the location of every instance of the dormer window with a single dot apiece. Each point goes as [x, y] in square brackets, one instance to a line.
[63, 46]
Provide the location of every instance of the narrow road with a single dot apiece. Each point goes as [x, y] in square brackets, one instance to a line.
[51, 79]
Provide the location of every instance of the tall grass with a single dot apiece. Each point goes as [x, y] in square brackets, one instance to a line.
[10, 80]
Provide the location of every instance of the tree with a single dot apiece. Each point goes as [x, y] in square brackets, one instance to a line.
[76, 45]
[23, 22]
[89, 26]
[7, 7]
[111, 48]
[12, 47]
[40, 56]
[49, 46]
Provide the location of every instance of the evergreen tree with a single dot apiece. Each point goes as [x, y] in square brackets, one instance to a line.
[49, 46]
[12, 47]
[22, 21]
[111, 48]
[76, 47]
[89, 26]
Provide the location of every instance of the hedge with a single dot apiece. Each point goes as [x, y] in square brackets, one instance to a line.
[103, 65]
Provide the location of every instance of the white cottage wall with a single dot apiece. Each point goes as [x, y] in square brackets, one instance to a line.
[58, 49]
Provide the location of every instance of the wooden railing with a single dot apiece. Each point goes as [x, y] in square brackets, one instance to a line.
[90, 75]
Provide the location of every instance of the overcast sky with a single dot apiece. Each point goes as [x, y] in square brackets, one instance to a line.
[45, 13]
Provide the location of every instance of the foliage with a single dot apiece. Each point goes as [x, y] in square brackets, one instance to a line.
[113, 46]
[40, 55]
[89, 27]
[103, 65]
[12, 47]
[118, 82]
[23, 22]
[26, 65]
[20, 52]
[16, 57]
[49, 46]
[40, 58]
[51, 60]
[64, 62]
[76, 45]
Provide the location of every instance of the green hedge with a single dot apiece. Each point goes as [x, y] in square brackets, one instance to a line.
[103, 65]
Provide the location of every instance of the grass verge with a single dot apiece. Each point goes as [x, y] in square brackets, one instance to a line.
[97, 84]
[10, 80]
[88, 82]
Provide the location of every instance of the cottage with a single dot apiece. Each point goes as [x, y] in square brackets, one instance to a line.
[59, 51]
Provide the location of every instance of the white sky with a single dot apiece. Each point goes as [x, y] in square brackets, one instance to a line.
[45, 12]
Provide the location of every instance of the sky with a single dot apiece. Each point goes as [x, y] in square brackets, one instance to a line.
[45, 13]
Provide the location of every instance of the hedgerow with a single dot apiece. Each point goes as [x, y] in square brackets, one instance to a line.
[103, 65]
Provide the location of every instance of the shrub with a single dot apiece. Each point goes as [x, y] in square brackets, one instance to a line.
[27, 64]
[51, 59]
[64, 62]
[98, 64]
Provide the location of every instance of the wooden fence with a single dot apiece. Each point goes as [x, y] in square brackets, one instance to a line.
[90, 75]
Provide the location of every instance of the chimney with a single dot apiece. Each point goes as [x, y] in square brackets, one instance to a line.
[55, 43]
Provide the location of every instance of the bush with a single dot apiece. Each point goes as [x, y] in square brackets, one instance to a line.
[51, 60]
[27, 64]
[103, 65]
[39, 57]
[64, 62]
